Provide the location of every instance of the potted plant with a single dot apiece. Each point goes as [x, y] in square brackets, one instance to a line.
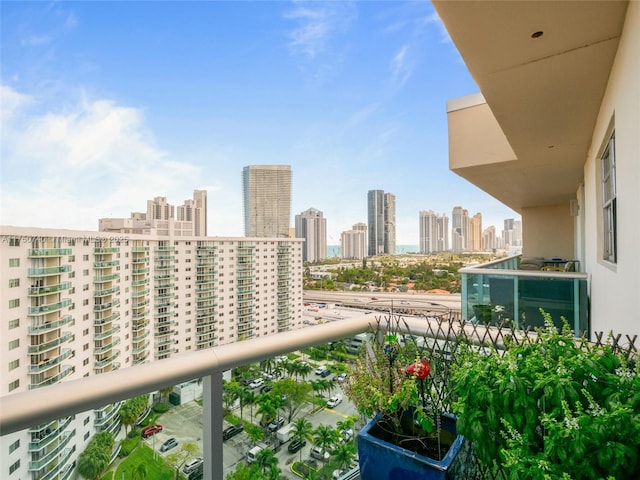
[551, 406]
[392, 383]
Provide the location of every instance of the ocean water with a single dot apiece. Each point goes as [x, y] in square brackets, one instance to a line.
[334, 250]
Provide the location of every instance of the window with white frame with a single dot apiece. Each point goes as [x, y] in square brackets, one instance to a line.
[609, 216]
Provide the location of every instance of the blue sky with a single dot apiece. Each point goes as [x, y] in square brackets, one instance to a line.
[108, 104]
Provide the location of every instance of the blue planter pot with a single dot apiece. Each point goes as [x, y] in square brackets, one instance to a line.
[381, 460]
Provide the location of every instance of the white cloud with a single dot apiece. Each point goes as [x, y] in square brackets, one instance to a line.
[401, 66]
[95, 159]
[10, 101]
[317, 24]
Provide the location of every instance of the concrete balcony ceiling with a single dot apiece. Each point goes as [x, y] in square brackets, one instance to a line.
[542, 68]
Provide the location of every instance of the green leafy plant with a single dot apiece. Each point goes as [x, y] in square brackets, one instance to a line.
[551, 406]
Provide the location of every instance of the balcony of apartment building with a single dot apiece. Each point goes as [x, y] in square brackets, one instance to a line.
[543, 70]
[44, 407]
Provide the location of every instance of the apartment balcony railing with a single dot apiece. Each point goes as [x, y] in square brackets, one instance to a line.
[62, 469]
[107, 361]
[106, 250]
[139, 271]
[139, 293]
[164, 249]
[64, 372]
[53, 454]
[140, 249]
[48, 252]
[105, 415]
[106, 291]
[498, 291]
[22, 410]
[106, 278]
[43, 271]
[101, 335]
[51, 362]
[105, 306]
[106, 264]
[138, 283]
[44, 437]
[36, 291]
[41, 328]
[103, 321]
[50, 308]
[49, 344]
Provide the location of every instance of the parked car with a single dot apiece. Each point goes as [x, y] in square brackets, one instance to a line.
[275, 424]
[247, 381]
[338, 473]
[325, 373]
[346, 434]
[296, 445]
[169, 444]
[192, 465]
[266, 388]
[341, 377]
[319, 454]
[321, 369]
[268, 375]
[151, 430]
[334, 401]
[232, 431]
[258, 382]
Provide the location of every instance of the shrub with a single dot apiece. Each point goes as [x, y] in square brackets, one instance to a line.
[161, 408]
[127, 446]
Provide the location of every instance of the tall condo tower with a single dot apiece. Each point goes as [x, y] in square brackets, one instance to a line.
[312, 226]
[381, 212]
[267, 200]
[434, 232]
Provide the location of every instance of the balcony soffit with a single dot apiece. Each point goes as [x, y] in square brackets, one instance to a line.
[544, 92]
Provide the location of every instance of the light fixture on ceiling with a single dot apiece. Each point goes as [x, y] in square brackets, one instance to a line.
[537, 34]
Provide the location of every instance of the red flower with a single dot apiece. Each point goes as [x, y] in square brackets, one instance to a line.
[420, 369]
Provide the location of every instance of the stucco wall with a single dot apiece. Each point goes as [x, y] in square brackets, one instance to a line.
[548, 232]
[615, 287]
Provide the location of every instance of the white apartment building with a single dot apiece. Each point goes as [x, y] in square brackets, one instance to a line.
[312, 227]
[434, 232]
[80, 303]
[161, 219]
[353, 244]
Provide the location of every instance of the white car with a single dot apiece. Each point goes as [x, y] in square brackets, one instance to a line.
[321, 369]
[334, 401]
[258, 382]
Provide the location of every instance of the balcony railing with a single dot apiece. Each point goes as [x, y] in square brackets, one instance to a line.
[498, 292]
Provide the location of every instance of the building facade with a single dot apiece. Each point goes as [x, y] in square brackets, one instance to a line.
[312, 226]
[78, 303]
[267, 200]
[160, 219]
[381, 215]
[353, 244]
[475, 233]
[434, 232]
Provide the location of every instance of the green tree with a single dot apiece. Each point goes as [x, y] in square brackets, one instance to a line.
[343, 454]
[266, 460]
[266, 409]
[131, 410]
[96, 457]
[302, 430]
[295, 394]
[164, 393]
[178, 458]
[254, 432]
[325, 437]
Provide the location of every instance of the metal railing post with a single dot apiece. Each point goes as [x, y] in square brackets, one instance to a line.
[212, 426]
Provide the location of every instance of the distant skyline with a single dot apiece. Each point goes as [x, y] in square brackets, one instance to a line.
[108, 104]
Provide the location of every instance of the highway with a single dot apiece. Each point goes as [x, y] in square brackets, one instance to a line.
[399, 301]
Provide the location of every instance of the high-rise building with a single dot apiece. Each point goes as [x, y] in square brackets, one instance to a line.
[267, 200]
[434, 232]
[489, 238]
[160, 219]
[353, 243]
[475, 233]
[381, 209]
[79, 303]
[512, 233]
[460, 229]
[312, 226]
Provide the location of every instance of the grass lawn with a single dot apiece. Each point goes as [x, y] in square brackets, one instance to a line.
[157, 469]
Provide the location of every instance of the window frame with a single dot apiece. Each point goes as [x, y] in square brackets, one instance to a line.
[609, 201]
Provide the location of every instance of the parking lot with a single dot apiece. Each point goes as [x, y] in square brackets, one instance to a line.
[184, 423]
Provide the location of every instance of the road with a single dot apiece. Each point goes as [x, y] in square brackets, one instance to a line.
[397, 300]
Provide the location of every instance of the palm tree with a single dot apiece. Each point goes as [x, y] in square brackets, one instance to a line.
[266, 460]
[302, 430]
[343, 454]
[316, 386]
[266, 409]
[324, 437]
[140, 472]
[304, 369]
[249, 398]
